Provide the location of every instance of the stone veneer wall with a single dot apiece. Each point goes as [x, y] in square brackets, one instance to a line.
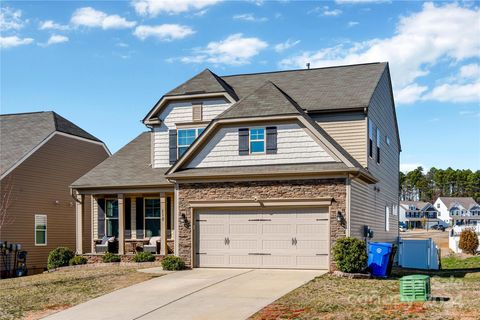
[286, 189]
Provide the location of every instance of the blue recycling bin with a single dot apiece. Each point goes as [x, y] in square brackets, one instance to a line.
[378, 258]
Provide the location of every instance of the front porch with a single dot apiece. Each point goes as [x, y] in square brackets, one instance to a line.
[126, 222]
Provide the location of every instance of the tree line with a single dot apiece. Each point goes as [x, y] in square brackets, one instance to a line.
[416, 185]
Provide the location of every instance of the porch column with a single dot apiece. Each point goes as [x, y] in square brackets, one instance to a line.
[121, 224]
[79, 223]
[163, 225]
[93, 207]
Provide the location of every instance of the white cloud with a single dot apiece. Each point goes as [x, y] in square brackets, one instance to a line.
[406, 167]
[90, 17]
[422, 40]
[249, 17]
[56, 38]
[165, 32]
[10, 19]
[454, 92]
[51, 25]
[280, 47]
[331, 12]
[234, 50]
[153, 8]
[409, 94]
[470, 71]
[353, 23]
[13, 41]
[469, 113]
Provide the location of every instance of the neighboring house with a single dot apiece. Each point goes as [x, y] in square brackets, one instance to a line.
[255, 170]
[457, 210]
[418, 214]
[41, 154]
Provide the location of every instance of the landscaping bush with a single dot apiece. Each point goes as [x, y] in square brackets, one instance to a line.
[350, 254]
[110, 257]
[59, 257]
[77, 260]
[173, 263]
[144, 257]
[468, 241]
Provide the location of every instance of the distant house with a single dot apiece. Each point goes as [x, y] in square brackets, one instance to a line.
[457, 210]
[263, 170]
[41, 154]
[418, 214]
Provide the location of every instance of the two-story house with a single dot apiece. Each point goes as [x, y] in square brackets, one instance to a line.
[457, 211]
[260, 170]
[41, 154]
[418, 214]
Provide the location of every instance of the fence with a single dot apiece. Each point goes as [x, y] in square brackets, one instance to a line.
[454, 236]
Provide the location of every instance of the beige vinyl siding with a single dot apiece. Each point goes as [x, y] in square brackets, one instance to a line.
[367, 205]
[175, 113]
[349, 130]
[294, 145]
[38, 183]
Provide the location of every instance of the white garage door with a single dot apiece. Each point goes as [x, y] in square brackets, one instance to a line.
[262, 238]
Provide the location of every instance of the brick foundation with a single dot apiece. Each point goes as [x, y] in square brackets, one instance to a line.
[287, 189]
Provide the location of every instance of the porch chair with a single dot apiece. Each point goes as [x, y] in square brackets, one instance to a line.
[102, 247]
[152, 245]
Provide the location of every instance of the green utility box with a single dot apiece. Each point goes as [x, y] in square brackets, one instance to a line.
[415, 288]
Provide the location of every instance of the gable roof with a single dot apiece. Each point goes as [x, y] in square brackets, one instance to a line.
[204, 82]
[466, 202]
[419, 205]
[20, 133]
[129, 166]
[267, 100]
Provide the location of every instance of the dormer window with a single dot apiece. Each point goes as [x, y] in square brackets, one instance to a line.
[257, 140]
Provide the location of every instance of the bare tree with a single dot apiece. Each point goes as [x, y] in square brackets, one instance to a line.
[6, 197]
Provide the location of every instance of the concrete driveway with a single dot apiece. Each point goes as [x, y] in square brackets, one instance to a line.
[194, 294]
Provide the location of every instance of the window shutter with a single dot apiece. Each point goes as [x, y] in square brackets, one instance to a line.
[139, 218]
[101, 218]
[271, 140]
[197, 112]
[128, 218]
[172, 142]
[243, 141]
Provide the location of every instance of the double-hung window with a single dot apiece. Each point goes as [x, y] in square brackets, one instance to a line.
[257, 140]
[152, 217]
[370, 138]
[111, 217]
[40, 230]
[379, 140]
[186, 138]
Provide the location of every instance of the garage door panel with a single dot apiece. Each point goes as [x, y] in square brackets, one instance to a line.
[243, 228]
[263, 238]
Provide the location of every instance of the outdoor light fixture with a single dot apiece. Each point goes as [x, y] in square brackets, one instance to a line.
[340, 218]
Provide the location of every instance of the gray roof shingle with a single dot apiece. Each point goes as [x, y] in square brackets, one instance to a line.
[128, 167]
[20, 133]
[318, 89]
[466, 202]
[267, 100]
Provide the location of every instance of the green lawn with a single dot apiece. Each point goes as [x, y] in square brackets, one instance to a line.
[453, 262]
[36, 296]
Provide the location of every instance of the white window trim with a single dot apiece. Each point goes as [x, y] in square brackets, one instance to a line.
[370, 138]
[35, 230]
[387, 218]
[151, 218]
[256, 140]
[107, 218]
[178, 138]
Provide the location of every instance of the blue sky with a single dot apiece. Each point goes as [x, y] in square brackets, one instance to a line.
[104, 64]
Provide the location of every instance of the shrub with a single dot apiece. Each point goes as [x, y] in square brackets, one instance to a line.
[173, 263]
[468, 241]
[78, 260]
[144, 257]
[350, 254]
[110, 257]
[59, 257]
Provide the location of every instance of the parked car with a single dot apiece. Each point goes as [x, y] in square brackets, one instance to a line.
[402, 227]
[438, 227]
